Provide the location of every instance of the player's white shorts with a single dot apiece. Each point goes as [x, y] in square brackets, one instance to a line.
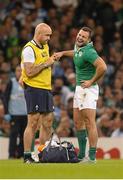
[86, 98]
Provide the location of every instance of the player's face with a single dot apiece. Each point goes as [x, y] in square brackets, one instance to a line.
[45, 36]
[82, 38]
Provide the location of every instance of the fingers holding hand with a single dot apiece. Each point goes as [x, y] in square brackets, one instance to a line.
[50, 61]
[57, 55]
[54, 57]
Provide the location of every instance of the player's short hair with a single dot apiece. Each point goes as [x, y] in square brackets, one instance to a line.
[87, 29]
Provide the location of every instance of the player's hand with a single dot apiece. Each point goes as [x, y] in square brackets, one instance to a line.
[58, 55]
[50, 61]
[86, 84]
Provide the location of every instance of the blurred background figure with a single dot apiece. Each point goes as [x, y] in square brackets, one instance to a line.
[118, 132]
[17, 115]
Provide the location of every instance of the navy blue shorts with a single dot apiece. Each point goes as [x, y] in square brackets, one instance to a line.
[38, 100]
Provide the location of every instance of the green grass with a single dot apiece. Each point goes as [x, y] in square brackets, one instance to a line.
[14, 169]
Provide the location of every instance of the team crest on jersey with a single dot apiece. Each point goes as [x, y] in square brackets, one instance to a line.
[80, 53]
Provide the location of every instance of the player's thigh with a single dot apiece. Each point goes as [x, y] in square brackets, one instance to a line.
[89, 116]
[46, 119]
[78, 119]
[33, 119]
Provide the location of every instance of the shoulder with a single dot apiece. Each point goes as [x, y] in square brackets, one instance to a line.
[29, 46]
[28, 54]
[27, 49]
[90, 55]
[91, 50]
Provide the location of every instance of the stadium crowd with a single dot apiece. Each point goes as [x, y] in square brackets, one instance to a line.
[17, 22]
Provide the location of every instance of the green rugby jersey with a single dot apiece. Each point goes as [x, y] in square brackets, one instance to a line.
[84, 58]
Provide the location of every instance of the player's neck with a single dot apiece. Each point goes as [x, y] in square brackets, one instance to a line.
[84, 45]
[37, 43]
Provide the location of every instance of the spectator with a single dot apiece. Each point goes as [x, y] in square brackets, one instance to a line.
[119, 131]
[64, 129]
[2, 113]
[59, 87]
[18, 115]
[72, 81]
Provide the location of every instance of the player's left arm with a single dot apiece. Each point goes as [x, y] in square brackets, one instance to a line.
[100, 69]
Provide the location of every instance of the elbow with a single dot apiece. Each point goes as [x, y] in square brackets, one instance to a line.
[104, 68]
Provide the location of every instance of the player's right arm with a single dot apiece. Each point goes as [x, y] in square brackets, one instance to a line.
[69, 53]
[32, 69]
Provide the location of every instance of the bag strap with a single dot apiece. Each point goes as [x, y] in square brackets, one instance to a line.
[49, 145]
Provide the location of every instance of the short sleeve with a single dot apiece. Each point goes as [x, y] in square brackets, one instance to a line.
[28, 54]
[91, 55]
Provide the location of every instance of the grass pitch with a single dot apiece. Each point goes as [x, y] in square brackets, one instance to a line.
[103, 169]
